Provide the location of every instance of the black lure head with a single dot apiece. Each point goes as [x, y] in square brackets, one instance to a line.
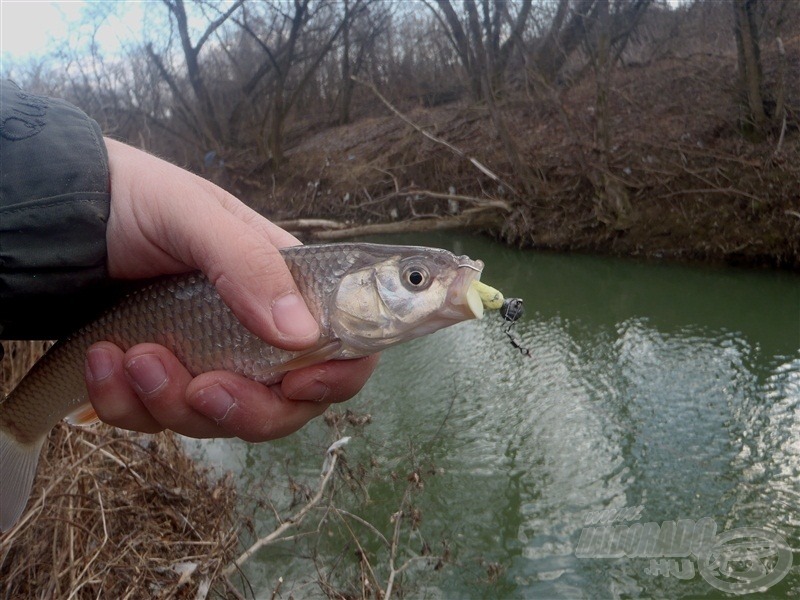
[512, 309]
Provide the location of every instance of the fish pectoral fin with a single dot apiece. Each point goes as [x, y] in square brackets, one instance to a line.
[313, 357]
[17, 470]
[83, 415]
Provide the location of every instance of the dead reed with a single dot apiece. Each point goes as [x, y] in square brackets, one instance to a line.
[116, 514]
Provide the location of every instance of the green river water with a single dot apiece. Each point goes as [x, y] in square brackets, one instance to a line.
[659, 404]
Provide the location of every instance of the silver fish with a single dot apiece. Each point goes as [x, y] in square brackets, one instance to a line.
[365, 297]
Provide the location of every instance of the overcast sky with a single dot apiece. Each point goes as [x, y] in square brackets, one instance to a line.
[30, 29]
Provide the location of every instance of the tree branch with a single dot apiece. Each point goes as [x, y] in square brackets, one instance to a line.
[215, 24]
[295, 520]
[480, 166]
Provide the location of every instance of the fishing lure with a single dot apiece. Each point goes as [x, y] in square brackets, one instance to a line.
[511, 309]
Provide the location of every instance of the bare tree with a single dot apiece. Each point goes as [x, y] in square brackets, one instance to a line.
[749, 55]
[567, 30]
[572, 26]
[261, 65]
[204, 113]
[612, 203]
[478, 42]
[360, 30]
[293, 46]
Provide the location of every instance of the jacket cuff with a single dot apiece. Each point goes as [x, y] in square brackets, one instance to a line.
[54, 206]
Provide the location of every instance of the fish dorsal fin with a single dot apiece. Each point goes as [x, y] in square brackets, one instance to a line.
[313, 357]
[83, 415]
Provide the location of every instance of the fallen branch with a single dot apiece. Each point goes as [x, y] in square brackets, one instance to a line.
[475, 162]
[715, 190]
[412, 194]
[477, 202]
[469, 219]
[328, 468]
[309, 224]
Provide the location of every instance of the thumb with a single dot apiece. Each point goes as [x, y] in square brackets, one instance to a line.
[166, 220]
[252, 278]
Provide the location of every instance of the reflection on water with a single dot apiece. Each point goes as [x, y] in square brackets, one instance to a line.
[667, 388]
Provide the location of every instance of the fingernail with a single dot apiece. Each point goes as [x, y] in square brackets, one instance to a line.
[315, 391]
[147, 373]
[99, 364]
[292, 317]
[214, 402]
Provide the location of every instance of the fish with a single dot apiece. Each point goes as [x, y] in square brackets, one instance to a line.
[365, 298]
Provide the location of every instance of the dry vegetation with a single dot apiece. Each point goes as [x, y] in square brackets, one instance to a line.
[620, 126]
[689, 185]
[116, 514]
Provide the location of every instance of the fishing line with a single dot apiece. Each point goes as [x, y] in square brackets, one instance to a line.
[512, 311]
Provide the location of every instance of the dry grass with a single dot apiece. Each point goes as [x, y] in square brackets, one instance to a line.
[17, 358]
[116, 514]
[683, 177]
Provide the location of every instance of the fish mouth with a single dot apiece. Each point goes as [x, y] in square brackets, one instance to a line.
[462, 295]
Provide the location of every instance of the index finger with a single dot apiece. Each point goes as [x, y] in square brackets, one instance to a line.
[249, 410]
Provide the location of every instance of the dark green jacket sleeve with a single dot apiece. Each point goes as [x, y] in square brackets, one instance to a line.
[54, 205]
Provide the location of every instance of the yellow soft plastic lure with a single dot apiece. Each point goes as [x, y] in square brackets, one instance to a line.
[491, 298]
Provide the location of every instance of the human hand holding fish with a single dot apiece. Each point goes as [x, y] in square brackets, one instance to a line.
[238, 349]
[166, 220]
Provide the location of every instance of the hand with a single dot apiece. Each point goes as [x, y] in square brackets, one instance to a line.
[166, 220]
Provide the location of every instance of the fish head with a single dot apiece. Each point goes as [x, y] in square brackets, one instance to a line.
[388, 299]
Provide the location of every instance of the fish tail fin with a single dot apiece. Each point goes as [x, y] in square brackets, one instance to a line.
[17, 469]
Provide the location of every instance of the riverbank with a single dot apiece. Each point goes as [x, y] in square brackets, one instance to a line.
[116, 514]
[681, 179]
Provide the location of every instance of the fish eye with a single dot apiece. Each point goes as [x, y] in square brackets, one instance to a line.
[415, 277]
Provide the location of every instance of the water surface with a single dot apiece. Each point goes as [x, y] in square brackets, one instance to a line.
[667, 391]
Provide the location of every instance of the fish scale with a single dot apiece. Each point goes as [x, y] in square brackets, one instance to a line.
[360, 294]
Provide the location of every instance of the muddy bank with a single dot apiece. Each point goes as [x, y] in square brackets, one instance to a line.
[682, 180]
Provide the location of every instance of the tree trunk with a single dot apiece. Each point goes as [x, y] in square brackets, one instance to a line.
[612, 204]
[564, 36]
[347, 82]
[484, 67]
[458, 38]
[275, 135]
[750, 73]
